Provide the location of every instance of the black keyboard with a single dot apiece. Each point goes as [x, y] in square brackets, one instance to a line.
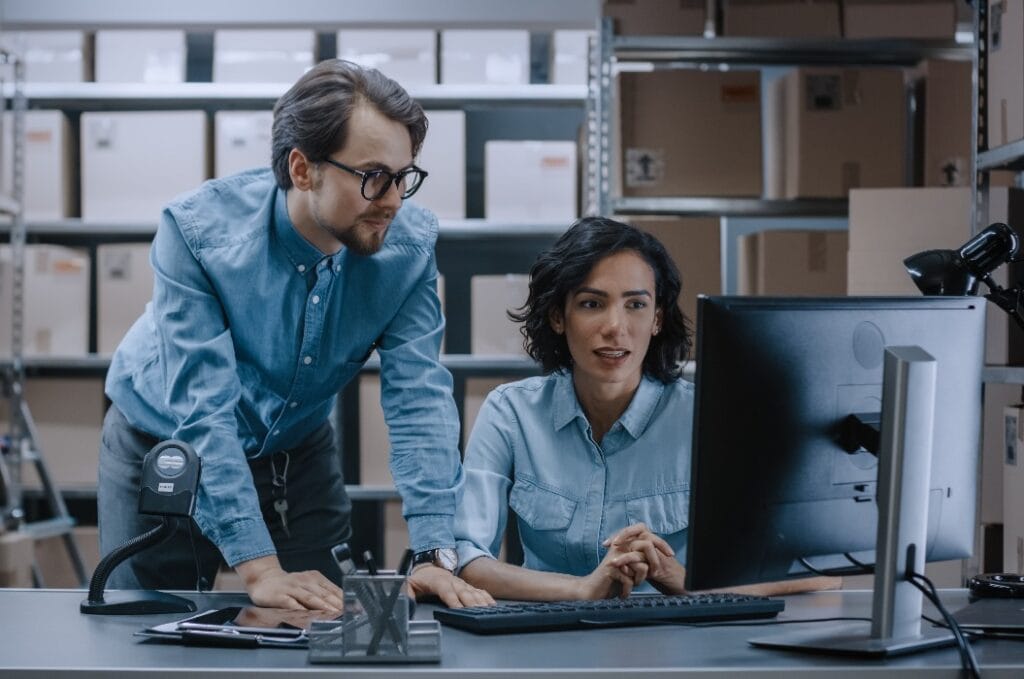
[636, 610]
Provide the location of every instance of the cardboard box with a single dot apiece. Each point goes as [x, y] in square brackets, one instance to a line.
[1005, 86]
[269, 56]
[491, 297]
[55, 564]
[690, 133]
[1013, 491]
[444, 156]
[947, 123]
[656, 17]
[68, 413]
[55, 298]
[148, 56]
[839, 129]
[1004, 339]
[695, 245]
[899, 19]
[492, 57]
[793, 262]
[781, 18]
[530, 181]
[889, 225]
[48, 166]
[50, 56]
[407, 56]
[16, 556]
[374, 445]
[570, 57]
[996, 399]
[134, 163]
[124, 285]
[242, 141]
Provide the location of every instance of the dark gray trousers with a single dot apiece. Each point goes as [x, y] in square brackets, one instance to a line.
[319, 512]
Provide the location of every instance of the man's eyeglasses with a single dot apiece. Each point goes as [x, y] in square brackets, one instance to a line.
[375, 183]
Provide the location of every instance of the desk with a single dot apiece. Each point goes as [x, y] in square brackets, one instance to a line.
[42, 634]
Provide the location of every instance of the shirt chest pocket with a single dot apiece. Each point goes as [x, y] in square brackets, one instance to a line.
[663, 513]
[544, 519]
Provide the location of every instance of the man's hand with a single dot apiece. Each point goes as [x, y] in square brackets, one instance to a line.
[638, 548]
[454, 592]
[271, 586]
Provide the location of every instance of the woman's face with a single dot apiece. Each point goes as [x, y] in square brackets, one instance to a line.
[609, 320]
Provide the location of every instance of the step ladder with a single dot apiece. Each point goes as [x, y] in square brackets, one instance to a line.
[22, 443]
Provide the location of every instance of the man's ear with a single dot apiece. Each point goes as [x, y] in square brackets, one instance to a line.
[300, 170]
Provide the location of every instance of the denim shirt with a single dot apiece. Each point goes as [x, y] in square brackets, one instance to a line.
[250, 335]
[532, 450]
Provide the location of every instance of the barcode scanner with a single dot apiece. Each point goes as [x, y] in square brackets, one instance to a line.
[169, 485]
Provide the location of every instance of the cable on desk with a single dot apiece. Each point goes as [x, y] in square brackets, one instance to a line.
[967, 659]
[833, 572]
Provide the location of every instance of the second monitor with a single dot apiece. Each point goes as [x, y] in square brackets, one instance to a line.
[774, 491]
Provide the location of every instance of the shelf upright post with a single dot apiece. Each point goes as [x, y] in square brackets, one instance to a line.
[599, 128]
[23, 438]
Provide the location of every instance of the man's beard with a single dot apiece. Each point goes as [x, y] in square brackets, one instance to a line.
[359, 238]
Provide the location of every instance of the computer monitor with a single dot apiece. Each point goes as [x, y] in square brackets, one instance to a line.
[775, 379]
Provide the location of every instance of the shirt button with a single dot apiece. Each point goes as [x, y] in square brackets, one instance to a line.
[294, 405]
[337, 267]
[316, 299]
[301, 268]
[307, 360]
[277, 433]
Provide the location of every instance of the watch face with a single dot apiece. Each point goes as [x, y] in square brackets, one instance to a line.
[447, 558]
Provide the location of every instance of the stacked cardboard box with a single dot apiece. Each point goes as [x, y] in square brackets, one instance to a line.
[271, 56]
[656, 17]
[492, 57]
[530, 181]
[50, 56]
[444, 156]
[1005, 87]
[408, 56]
[889, 225]
[899, 19]
[781, 18]
[48, 192]
[15, 559]
[690, 133]
[124, 285]
[140, 56]
[242, 141]
[835, 129]
[1013, 491]
[947, 123]
[793, 262]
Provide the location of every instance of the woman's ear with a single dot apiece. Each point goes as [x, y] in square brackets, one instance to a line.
[658, 317]
[556, 321]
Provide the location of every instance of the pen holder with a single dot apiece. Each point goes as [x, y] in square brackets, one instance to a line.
[376, 618]
[375, 627]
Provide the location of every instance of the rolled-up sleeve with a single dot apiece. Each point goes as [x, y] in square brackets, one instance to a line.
[483, 513]
[202, 391]
[423, 423]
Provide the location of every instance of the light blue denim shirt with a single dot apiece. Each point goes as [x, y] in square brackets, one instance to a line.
[532, 450]
[250, 335]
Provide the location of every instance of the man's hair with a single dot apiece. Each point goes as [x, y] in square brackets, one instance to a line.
[313, 115]
[561, 270]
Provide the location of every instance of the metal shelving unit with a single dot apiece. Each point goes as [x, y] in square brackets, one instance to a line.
[610, 50]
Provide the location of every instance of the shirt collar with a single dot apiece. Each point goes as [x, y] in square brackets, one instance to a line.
[636, 418]
[302, 254]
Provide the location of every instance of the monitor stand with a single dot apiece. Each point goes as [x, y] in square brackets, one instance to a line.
[904, 474]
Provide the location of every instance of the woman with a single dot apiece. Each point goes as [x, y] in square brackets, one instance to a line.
[593, 457]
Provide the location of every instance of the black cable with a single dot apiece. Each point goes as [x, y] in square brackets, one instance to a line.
[200, 580]
[829, 572]
[967, 659]
[869, 569]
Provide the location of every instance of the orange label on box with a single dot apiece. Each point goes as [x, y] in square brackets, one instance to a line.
[554, 161]
[739, 94]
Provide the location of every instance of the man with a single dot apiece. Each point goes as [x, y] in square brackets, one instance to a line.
[271, 290]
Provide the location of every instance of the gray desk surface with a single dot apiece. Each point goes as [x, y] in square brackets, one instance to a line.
[42, 634]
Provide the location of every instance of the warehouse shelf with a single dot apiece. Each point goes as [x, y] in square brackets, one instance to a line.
[324, 15]
[1003, 374]
[785, 51]
[1007, 157]
[97, 365]
[355, 492]
[447, 228]
[731, 207]
[115, 96]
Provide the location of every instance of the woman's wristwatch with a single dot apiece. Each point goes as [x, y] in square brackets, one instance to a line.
[442, 557]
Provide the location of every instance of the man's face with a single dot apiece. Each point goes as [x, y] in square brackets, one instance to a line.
[375, 142]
